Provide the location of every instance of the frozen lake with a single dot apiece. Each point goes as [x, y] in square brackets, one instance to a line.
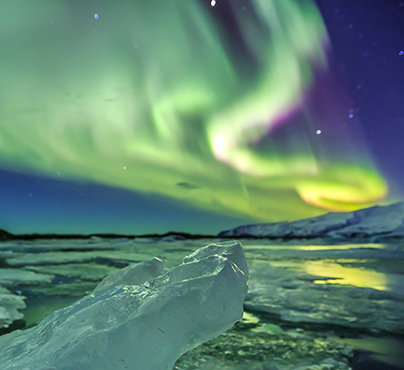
[308, 304]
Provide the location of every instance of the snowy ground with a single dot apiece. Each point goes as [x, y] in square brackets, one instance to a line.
[303, 298]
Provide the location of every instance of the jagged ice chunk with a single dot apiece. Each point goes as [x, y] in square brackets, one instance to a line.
[147, 326]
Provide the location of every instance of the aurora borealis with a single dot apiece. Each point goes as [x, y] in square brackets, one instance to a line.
[210, 107]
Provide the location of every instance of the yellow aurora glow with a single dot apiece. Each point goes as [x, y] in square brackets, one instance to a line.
[148, 97]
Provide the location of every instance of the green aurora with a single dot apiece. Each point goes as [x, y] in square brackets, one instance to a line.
[149, 97]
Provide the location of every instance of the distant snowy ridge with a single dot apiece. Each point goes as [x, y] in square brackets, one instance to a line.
[376, 222]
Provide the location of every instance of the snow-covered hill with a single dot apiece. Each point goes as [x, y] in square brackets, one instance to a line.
[378, 222]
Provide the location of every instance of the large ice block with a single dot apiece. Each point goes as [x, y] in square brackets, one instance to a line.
[147, 326]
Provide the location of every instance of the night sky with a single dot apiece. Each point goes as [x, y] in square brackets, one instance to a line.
[147, 117]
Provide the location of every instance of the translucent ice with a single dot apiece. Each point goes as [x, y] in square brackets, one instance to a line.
[146, 326]
[131, 275]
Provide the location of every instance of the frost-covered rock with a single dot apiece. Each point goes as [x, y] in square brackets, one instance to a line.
[378, 221]
[147, 326]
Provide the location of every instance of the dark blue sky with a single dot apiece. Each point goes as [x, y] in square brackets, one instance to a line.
[368, 44]
[38, 204]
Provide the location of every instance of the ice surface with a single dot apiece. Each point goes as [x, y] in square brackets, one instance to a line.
[53, 258]
[146, 326]
[131, 275]
[14, 277]
[295, 296]
[378, 221]
[9, 306]
[262, 346]
[10, 303]
[83, 271]
[283, 285]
